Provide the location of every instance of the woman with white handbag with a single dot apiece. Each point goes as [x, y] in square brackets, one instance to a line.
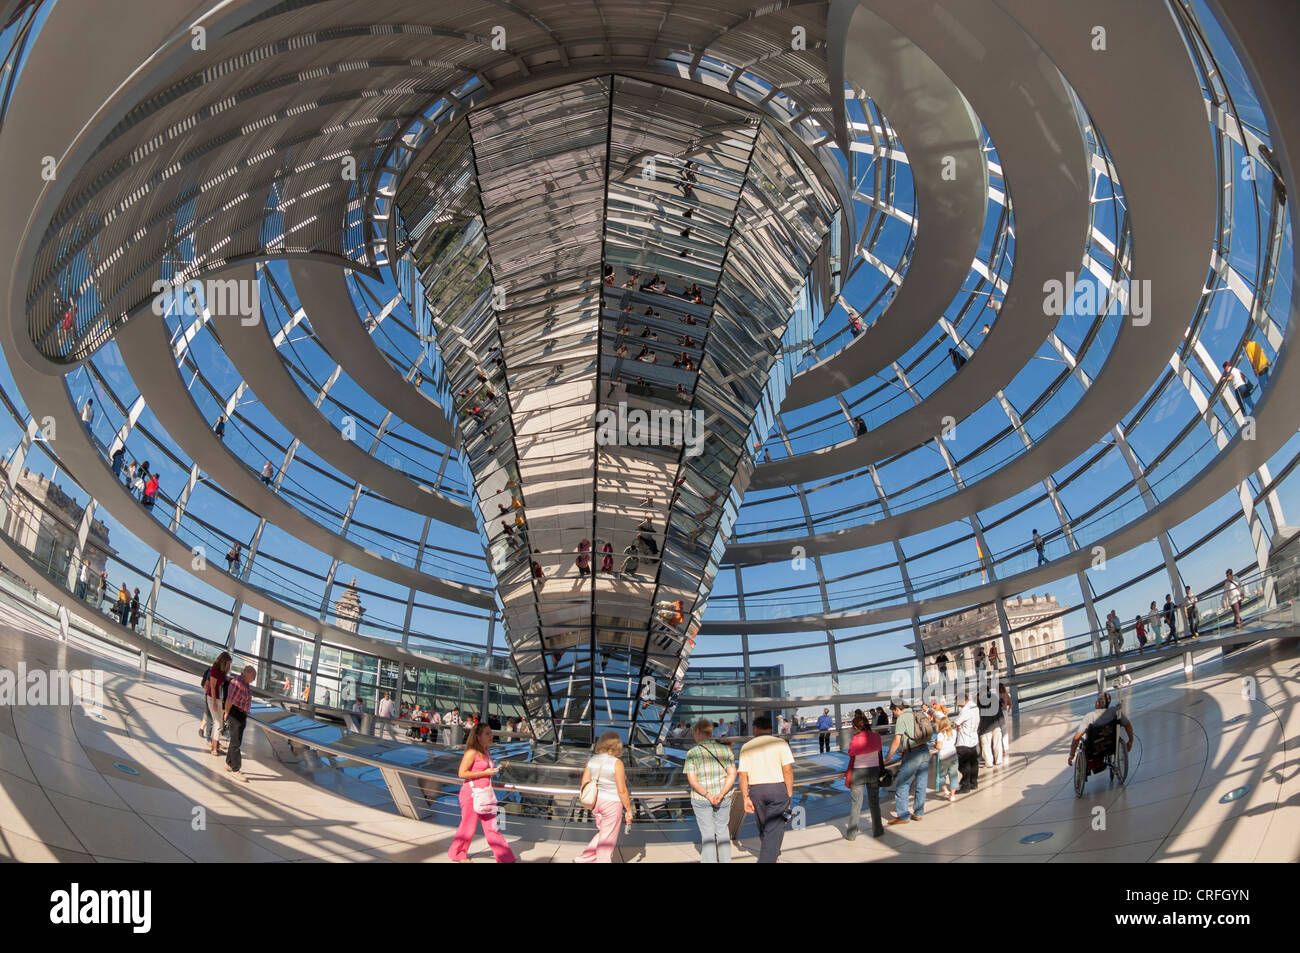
[478, 802]
[603, 792]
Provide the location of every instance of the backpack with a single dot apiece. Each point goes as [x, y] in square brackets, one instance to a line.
[922, 731]
[225, 684]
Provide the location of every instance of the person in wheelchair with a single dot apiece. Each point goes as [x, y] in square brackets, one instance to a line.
[1101, 716]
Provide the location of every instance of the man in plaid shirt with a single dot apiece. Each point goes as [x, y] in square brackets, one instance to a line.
[239, 698]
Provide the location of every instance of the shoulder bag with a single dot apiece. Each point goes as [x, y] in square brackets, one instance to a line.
[484, 798]
[587, 796]
[724, 767]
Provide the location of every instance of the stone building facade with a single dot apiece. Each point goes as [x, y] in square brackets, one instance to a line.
[1036, 635]
[348, 609]
[43, 519]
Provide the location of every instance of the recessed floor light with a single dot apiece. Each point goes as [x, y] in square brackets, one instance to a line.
[1235, 794]
[125, 768]
[1036, 838]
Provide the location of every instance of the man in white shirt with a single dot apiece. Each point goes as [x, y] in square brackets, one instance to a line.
[385, 707]
[1232, 597]
[1237, 381]
[767, 783]
[968, 762]
[88, 415]
[452, 722]
[723, 730]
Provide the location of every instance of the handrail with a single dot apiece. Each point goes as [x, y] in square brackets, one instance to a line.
[267, 716]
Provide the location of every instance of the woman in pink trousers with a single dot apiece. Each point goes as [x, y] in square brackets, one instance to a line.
[477, 769]
[606, 769]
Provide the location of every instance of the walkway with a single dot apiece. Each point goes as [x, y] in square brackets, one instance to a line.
[77, 788]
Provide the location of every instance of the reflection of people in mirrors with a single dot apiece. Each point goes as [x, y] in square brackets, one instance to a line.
[633, 562]
[671, 613]
[646, 535]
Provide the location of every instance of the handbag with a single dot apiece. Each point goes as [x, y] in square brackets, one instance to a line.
[484, 799]
[587, 796]
[886, 779]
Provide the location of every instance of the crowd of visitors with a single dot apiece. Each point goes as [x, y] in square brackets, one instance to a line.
[1173, 620]
[1163, 623]
[93, 588]
[434, 727]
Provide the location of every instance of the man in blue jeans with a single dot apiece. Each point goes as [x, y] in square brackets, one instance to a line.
[913, 737]
[824, 725]
[710, 770]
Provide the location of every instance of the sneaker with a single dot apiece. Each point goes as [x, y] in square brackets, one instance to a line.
[918, 817]
[851, 836]
[898, 820]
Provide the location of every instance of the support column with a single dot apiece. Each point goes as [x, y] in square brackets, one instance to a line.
[744, 646]
[487, 663]
[410, 596]
[237, 609]
[1149, 498]
[79, 547]
[318, 642]
[821, 581]
[19, 458]
[1005, 625]
[154, 588]
[1094, 624]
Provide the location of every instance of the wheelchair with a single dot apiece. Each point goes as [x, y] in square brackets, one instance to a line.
[1100, 750]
